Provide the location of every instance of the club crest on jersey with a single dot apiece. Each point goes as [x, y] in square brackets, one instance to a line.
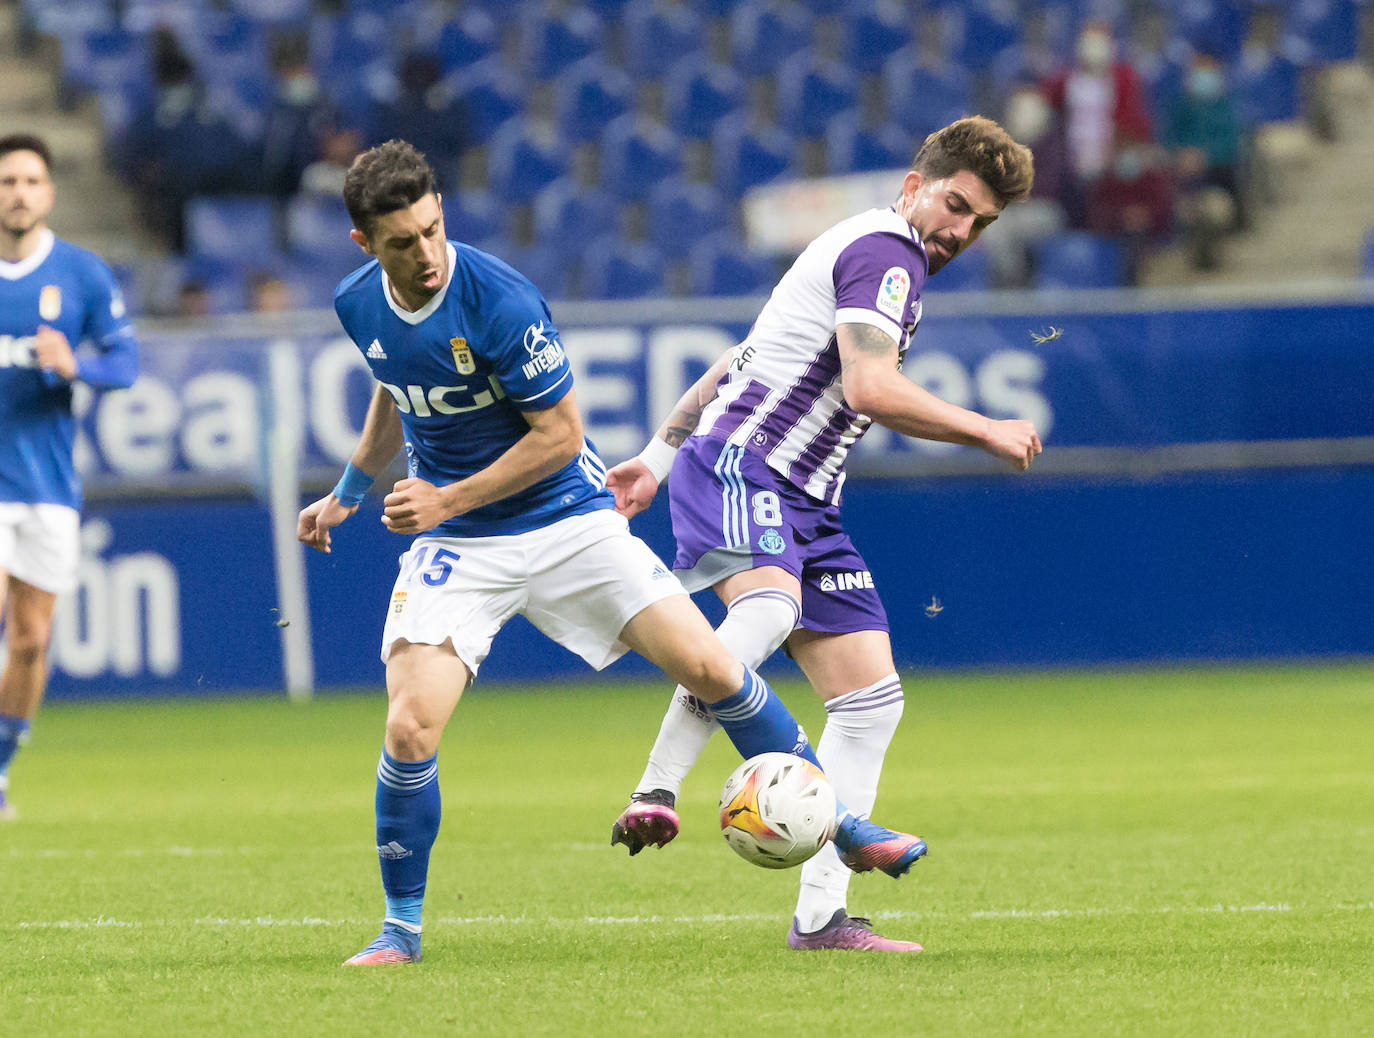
[546, 352]
[771, 541]
[50, 303]
[463, 359]
[892, 293]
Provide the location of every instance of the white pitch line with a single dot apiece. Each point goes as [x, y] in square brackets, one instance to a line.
[652, 920]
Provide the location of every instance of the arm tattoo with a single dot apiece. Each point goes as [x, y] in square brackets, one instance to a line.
[868, 339]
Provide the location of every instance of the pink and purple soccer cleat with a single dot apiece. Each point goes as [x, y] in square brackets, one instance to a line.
[865, 845]
[846, 933]
[392, 946]
[650, 819]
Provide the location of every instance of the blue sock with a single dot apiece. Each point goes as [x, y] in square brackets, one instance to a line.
[12, 732]
[757, 722]
[408, 811]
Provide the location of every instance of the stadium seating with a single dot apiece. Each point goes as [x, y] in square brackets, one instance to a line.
[763, 81]
[231, 227]
[1076, 259]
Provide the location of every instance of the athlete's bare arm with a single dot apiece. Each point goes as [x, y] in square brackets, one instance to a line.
[379, 442]
[631, 481]
[554, 439]
[874, 387]
[685, 416]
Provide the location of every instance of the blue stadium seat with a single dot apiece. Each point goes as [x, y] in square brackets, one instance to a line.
[969, 272]
[747, 155]
[811, 90]
[231, 227]
[523, 161]
[1215, 27]
[472, 215]
[682, 211]
[653, 32]
[699, 92]
[589, 95]
[636, 154]
[613, 268]
[722, 265]
[317, 235]
[553, 41]
[1077, 259]
[468, 37]
[568, 215]
[764, 35]
[1330, 27]
[1271, 92]
[106, 60]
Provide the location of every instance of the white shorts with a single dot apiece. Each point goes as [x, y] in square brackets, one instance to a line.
[40, 544]
[580, 581]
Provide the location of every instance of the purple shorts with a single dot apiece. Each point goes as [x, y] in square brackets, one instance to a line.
[732, 513]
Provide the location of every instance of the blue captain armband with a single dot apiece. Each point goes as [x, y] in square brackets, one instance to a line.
[352, 485]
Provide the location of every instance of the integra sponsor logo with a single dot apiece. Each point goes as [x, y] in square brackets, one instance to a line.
[546, 353]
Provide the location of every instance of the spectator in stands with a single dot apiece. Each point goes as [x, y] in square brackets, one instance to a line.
[639, 149]
[1268, 74]
[324, 177]
[1100, 101]
[1160, 58]
[1133, 202]
[297, 119]
[178, 145]
[268, 292]
[1204, 135]
[194, 299]
[425, 111]
[750, 147]
[1031, 121]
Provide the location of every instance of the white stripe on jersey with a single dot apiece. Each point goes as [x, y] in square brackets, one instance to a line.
[782, 397]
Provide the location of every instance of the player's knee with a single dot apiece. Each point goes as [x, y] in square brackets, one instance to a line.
[711, 673]
[28, 648]
[409, 736]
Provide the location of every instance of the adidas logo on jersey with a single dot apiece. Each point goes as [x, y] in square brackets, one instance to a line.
[394, 850]
[375, 351]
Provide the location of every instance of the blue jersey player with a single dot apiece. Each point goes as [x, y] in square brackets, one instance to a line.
[511, 506]
[54, 297]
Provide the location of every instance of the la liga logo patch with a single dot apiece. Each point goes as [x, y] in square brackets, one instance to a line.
[892, 293]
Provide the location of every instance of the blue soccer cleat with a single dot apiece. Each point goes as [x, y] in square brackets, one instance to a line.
[393, 945]
[865, 845]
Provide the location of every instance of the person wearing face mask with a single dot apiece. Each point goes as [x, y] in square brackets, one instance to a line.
[1100, 101]
[1204, 135]
[1133, 202]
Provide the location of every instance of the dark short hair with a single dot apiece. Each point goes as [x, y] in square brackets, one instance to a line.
[383, 179]
[979, 145]
[26, 142]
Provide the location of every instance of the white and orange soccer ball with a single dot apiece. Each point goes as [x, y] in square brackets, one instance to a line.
[777, 810]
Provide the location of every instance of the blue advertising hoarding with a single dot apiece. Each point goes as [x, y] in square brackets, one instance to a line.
[181, 592]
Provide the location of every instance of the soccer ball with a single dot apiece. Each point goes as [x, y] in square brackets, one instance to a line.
[777, 810]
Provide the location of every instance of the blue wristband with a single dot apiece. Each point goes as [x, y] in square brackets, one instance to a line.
[352, 485]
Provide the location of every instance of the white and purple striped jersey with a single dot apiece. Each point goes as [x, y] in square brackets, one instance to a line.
[781, 397]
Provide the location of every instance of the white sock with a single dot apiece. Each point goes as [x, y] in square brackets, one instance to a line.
[757, 623]
[859, 726]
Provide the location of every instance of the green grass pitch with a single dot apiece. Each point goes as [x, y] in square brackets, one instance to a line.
[1153, 852]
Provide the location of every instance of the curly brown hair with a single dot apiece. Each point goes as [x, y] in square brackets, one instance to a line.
[391, 176]
[979, 145]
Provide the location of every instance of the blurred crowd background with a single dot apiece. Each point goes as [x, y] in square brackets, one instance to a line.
[606, 148]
